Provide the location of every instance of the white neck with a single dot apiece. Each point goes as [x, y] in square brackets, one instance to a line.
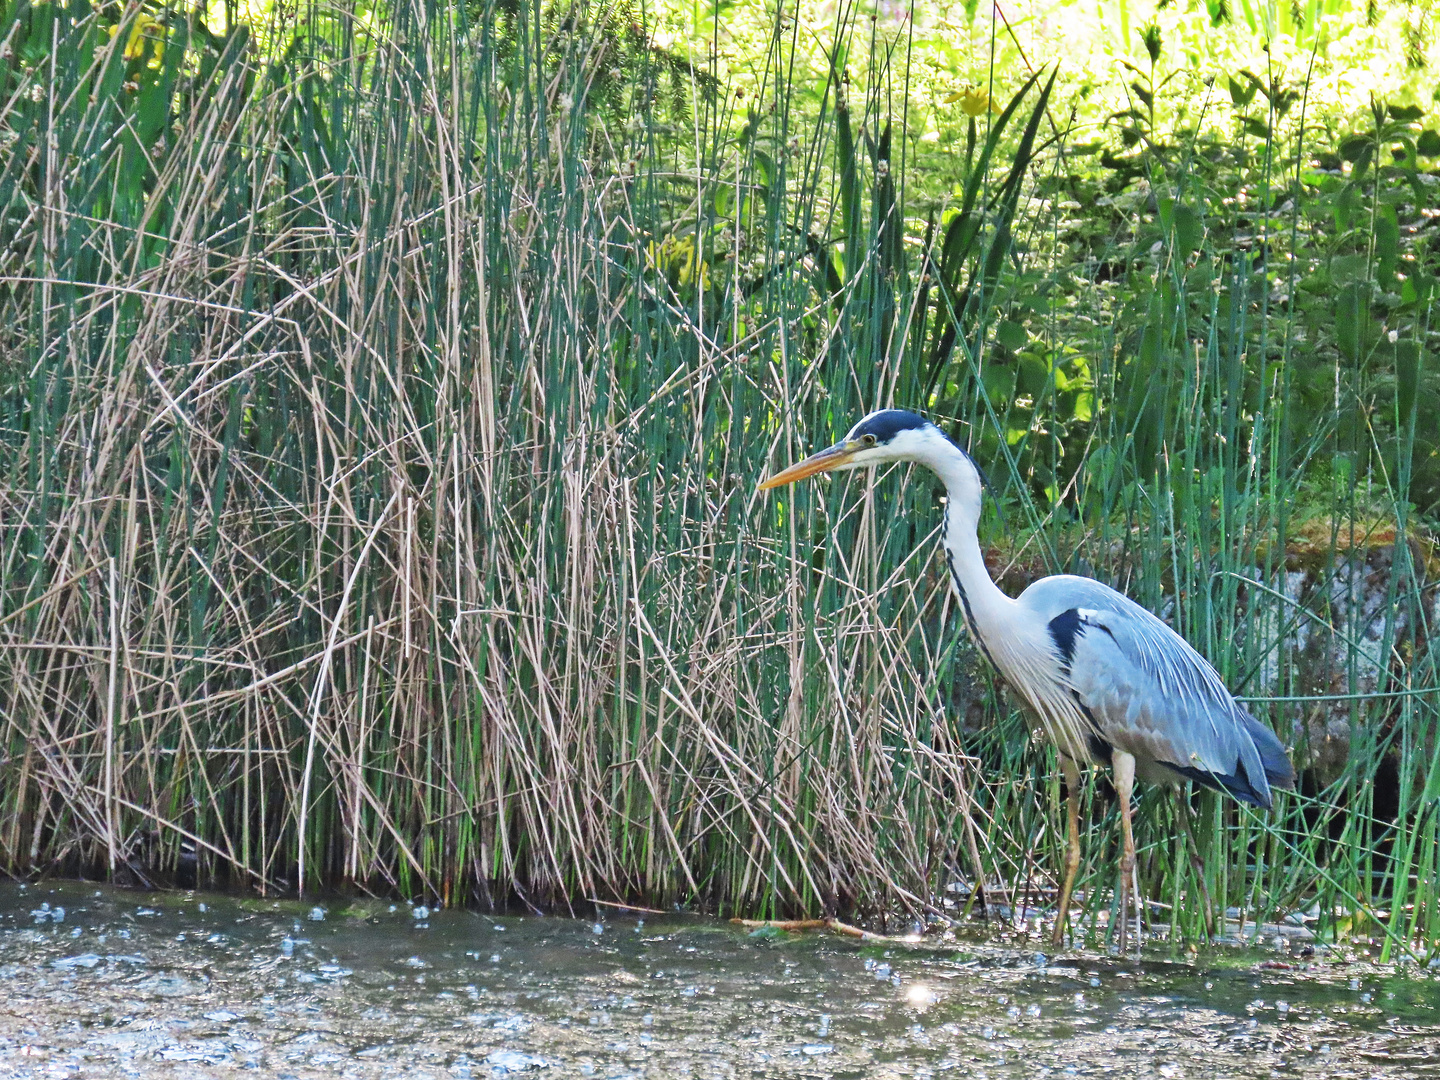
[985, 607]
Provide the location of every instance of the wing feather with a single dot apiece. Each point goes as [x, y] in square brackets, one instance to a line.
[1154, 696]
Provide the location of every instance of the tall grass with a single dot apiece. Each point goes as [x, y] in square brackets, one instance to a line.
[383, 402]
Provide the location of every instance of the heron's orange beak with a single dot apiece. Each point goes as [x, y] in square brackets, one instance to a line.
[824, 461]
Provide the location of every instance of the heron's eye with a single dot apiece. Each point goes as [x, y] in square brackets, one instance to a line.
[868, 440]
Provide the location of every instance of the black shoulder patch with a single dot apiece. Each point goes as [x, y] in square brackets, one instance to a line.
[1064, 629]
[887, 423]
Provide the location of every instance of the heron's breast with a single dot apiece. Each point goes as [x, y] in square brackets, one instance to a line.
[1033, 671]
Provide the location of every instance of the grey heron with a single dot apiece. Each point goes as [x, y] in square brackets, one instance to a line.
[1110, 682]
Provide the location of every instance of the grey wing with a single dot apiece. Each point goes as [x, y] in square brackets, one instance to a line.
[1153, 696]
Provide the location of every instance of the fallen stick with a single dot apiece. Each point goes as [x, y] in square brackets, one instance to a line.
[833, 925]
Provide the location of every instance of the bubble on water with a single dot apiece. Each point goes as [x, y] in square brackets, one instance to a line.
[648, 1019]
[70, 963]
[416, 962]
[392, 909]
[222, 1016]
[1013, 1012]
[494, 957]
[76, 932]
[1282, 1007]
[816, 1049]
[689, 991]
[287, 947]
[882, 971]
[869, 963]
[987, 1032]
[421, 912]
[824, 1028]
[1209, 985]
[1354, 984]
[895, 979]
[508, 1061]
[1365, 997]
[317, 914]
[597, 928]
[203, 908]
[1032, 1011]
[1094, 980]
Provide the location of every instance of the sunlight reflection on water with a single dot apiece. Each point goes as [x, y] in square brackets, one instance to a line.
[152, 985]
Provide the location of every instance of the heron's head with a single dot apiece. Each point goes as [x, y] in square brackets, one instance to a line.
[886, 436]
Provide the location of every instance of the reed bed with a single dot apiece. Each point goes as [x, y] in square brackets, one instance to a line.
[383, 400]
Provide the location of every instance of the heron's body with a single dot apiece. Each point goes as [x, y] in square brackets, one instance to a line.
[1109, 681]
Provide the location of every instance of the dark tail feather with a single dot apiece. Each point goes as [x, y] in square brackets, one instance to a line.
[1237, 785]
[1279, 773]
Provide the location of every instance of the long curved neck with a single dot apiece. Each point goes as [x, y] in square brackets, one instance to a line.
[985, 607]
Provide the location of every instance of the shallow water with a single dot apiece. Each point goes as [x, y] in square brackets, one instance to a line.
[122, 984]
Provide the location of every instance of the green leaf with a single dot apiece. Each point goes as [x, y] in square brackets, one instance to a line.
[1034, 376]
[1409, 362]
[1405, 113]
[999, 383]
[1353, 146]
[1351, 315]
[1428, 144]
[1183, 228]
[1256, 128]
[1349, 269]
[1012, 335]
[1387, 241]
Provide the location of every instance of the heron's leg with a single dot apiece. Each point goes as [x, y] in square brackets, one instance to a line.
[1124, 768]
[1072, 847]
[1183, 808]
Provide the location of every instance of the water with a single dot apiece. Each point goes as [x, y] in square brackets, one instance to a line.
[188, 985]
